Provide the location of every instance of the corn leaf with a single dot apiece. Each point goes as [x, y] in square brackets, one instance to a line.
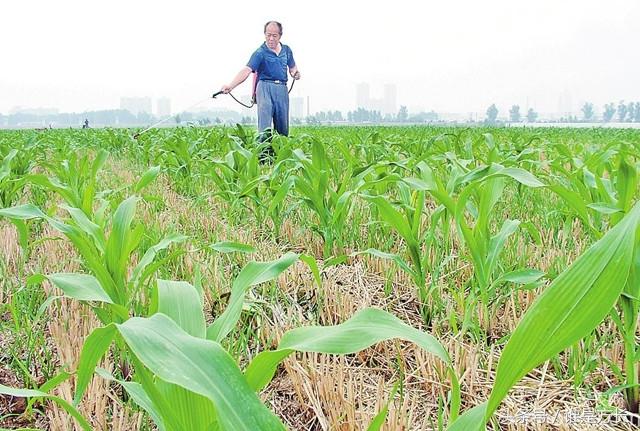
[137, 393]
[253, 273]
[94, 348]
[83, 287]
[198, 365]
[31, 393]
[150, 175]
[181, 302]
[569, 309]
[365, 328]
[230, 247]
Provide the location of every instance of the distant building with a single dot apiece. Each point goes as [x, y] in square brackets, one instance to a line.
[136, 105]
[565, 104]
[362, 96]
[388, 104]
[296, 107]
[163, 106]
[33, 111]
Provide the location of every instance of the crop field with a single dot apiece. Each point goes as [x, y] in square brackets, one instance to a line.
[373, 278]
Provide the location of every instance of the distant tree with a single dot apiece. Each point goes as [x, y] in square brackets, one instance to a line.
[514, 114]
[403, 114]
[637, 113]
[423, 117]
[144, 117]
[311, 119]
[587, 111]
[622, 111]
[609, 112]
[492, 114]
[178, 119]
[532, 115]
[631, 111]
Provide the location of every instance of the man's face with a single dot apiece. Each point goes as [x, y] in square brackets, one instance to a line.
[272, 36]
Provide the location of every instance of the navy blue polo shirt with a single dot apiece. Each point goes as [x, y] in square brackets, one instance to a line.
[269, 65]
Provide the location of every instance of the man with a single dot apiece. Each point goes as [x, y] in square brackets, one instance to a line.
[270, 61]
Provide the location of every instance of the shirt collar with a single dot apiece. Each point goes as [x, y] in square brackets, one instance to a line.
[266, 48]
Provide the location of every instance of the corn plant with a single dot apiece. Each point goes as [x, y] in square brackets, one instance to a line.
[182, 157]
[313, 183]
[568, 310]
[485, 185]
[10, 184]
[74, 179]
[185, 379]
[108, 258]
[238, 176]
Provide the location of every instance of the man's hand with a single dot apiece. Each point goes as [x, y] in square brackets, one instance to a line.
[296, 75]
[226, 89]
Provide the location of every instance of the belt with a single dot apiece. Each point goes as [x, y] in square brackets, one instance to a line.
[275, 81]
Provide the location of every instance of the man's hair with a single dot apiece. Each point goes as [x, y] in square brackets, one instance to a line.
[276, 23]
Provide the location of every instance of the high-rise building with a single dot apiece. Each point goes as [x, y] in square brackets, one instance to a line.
[296, 107]
[362, 96]
[389, 104]
[163, 107]
[565, 103]
[136, 105]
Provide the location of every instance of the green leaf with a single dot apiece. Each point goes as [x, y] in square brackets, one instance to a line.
[94, 348]
[281, 194]
[181, 302]
[117, 255]
[150, 175]
[497, 243]
[90, 228]
[198, 365]
[390, 256]
[520, 175]
[522, 276]
[569, 309]
[604, 208]
[312, 263]
[138, 395]
[151, 253]
[394, 218]
[22, 212]
[471, 420]
[231, 247]
[379, 419]
[253, 273]
[365, 328]
[30, 393]
[574, 200]
[83, 287]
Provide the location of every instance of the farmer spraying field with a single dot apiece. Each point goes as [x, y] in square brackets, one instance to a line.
[270, 62]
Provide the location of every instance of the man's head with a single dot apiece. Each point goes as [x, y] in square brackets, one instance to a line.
[272, 33]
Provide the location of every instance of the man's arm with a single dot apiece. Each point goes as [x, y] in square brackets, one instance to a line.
[239, 79]
[294, 72]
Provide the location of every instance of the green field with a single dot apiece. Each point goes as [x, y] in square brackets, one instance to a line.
[397, 278]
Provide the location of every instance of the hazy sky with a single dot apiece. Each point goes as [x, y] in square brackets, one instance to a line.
[454, 56]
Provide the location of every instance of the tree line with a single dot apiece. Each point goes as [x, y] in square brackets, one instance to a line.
[622, 112]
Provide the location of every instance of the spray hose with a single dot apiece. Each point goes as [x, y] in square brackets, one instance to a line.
[253, 101]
